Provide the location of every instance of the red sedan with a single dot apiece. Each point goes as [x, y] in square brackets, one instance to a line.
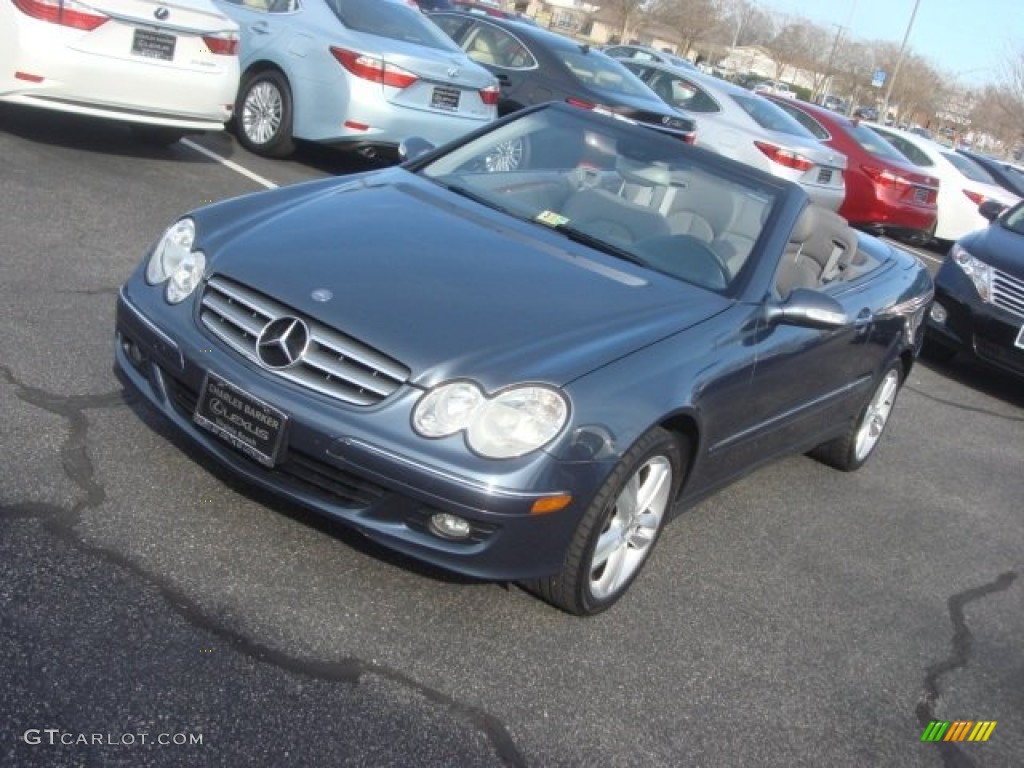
[883, 190]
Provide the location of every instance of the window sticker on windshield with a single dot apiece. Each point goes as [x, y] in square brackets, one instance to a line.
[551, 218]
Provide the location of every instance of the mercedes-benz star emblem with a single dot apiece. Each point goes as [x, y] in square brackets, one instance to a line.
[282, 343]
[161, 13]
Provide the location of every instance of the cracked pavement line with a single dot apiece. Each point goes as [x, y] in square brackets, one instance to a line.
[78, 467]
[965, 408]
[959, 657]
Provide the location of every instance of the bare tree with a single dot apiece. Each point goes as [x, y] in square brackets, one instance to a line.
[693, 21]
[1011, 87]
[628, 14]
[796, 45]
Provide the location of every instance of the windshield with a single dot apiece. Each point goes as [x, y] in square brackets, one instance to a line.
[1014, 219]
[601, 72]
[393, 20]
[619, 188]
[769, 115]
[874, 143]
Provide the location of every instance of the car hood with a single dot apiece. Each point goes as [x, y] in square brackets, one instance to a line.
[999, 247]
[445, 285]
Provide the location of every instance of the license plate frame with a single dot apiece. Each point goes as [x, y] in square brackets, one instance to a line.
[245, 422]
[445, 98]
[150, 44]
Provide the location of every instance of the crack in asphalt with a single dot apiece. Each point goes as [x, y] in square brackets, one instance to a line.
[965, 408]
[61, 522]
[958, 658]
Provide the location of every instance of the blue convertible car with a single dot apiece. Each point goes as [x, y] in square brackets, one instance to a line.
[523, 374]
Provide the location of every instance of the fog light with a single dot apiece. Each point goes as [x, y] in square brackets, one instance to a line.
[938, 313]
[449, 526]
[132, 352]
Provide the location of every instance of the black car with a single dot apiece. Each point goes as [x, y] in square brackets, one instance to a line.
[523, 375]
[979, 294]
[534, 65]
[1006, 175]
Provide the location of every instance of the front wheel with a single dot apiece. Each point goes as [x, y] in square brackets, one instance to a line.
[619, 528]
[263, 114]
[850, 451]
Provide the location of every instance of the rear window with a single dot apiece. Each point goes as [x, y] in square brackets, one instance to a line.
[874, 143]
[601, 72]
[969, 168]
[770, 116]
[392, 20]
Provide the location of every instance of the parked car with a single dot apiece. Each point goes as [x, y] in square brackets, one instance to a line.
[166, 70]
[835, 103]
[884, 190]
[647, 53]
[963, 184]
[1006, 175]
[979, 299]
[774, 88]
[534, 65]
[746, 127]
[866, 113]
[533, 372]
[358, 74]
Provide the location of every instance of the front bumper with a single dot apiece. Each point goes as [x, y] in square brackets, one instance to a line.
[988, 331]
[334, 464]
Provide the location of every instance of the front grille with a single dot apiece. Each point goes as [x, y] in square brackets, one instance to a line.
[1000, 354]
[333, 364]
[1008, 292]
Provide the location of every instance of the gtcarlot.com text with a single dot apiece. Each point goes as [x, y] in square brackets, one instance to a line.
[55, 736]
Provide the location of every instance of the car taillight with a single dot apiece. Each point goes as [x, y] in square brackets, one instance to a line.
[784, 156]
[66, 13]
[975, 197]
[580, 103]
[373, 69]
[886, 178]
[489, 95]
[222, 43]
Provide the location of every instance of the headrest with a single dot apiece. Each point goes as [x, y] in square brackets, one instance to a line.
[805, 226]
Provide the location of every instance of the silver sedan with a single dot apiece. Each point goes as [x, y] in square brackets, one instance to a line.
[746, 127]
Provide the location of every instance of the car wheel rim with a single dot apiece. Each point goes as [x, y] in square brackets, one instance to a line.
[630, 528]
[876, 415]
[505, 156]
[262, 112]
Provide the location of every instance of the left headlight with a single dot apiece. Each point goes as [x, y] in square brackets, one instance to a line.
[979, 272]
[173, 261]
[510, 423]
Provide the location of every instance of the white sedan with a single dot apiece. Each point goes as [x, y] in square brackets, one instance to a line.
[963, 184]
[167, 69]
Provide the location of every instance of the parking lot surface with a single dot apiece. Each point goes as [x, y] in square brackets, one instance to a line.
[801, 617]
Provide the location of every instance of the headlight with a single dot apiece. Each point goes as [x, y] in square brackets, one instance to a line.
[173, 261]
[512, 423]
[979, 272]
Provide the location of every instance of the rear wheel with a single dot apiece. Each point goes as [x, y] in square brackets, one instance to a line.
[263, 114]
[619, 528]
[510, 155]
[850, 451]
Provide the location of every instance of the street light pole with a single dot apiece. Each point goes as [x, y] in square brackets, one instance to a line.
[899, 61]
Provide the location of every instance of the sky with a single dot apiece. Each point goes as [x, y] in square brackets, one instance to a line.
[970, 39]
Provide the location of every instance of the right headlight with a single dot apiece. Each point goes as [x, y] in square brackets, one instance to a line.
[511, 423]
[978, 271]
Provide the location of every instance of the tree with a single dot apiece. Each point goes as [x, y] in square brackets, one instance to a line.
[692, 20]
[797, 45]
[628, 14]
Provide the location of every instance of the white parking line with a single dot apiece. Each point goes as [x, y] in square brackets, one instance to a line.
[229, 164]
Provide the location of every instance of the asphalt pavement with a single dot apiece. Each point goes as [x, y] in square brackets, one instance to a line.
[155, 612]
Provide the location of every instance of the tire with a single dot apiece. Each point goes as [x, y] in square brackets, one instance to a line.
[263, 114]
[619, 528]
[156, 135]
[849, 452]
[937, 351]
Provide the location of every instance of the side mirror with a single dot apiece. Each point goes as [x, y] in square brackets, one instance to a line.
[991, 209]
[413, 147]
[805, 308]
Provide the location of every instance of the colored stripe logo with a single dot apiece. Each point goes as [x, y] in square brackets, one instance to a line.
[958, 730]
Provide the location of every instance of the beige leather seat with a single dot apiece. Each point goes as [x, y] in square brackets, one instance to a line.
[820, 247]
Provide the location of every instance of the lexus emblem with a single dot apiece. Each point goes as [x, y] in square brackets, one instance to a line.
[161, 13]
[453, 71]
[282, 342]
